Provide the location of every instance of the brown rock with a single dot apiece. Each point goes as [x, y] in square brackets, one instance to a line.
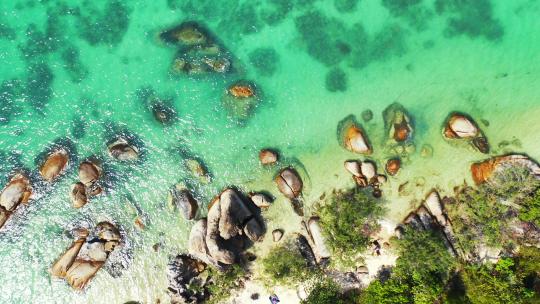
[181, 198]
[241, 90]
[17, 191]
[89, 173]
[54, 165]
[123, 151]
[482, 171]
[393, 166]
[268, 157]
[78, 195]
[356, 141]
[289, 183]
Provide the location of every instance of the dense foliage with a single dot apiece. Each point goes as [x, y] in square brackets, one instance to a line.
[348, 218]
[530, 211]
[224, 282]
[420, 274]
[284, 265]
[325, 291]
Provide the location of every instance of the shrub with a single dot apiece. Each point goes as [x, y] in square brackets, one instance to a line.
[326, 291]
[421, 272]
[348, 218]
[224, 282]
[530, 211]
[284, 265]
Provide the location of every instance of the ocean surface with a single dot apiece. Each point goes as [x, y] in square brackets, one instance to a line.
[72, 74]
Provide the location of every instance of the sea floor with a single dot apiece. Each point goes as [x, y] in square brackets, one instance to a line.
[71, 72]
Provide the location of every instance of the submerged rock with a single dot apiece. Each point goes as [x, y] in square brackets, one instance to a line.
[123, 151]
[268, 157]
[17, 191]
[54, 165]
[289, 183]
[483, 171]
[240, 100]
[180, 198]
[398, 123]
[198, 169]
[186, 34]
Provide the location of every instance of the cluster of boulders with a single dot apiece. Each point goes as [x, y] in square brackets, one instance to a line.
[432, 216]
[198, 53]
[365, 174]
[86, 255]
[89, 174]
[459, 126]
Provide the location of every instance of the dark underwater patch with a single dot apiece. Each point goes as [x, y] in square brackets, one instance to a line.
[336, 80]
[277, 11]
[265, 60]
[242, 19]
[10, 99]
[6, 32]
[325, 38]
[162, 109]
[78, 128]
[471, 18]
[390, 41]
[413, 12]
[72, 64]
[107, 26]
[346, 6]
[39, 86]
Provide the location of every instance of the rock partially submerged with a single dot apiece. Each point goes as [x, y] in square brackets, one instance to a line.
[198, 169]
[352, 136]
[123, 151]
[241, 99]
[180, 198]
[54, 165]
[261, 200]
[392, 166]
[398, 124]
[461, 126]
[83, 259]
[17, 191]
[268, 157]
[89, 174]
[289, 183]
[483, 171]
[186, 34]
[78, 195]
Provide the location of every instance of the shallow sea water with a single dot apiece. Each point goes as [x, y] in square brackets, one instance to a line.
[315, 62]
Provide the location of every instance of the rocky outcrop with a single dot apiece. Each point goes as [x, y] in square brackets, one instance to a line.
[230, 220]
[54, 165]
[89, 174]
[484, 170]
[17, 191]
[87, 254]
[461, 126]
[268, 157]
[431, 216]
[365, 174]
[78, 195]
[121, 150]
[185, 284]
[180, 198]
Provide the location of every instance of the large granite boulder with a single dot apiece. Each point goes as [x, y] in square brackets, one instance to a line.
[289, 183]
[54, 165]
[122, 150]
[17, 191]
[352, 136]
[459, 126]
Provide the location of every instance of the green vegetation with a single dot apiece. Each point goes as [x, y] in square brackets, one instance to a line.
[325, 291]
[530, 211]
[224, 282]
[348, 218]
[284, 265]
[421, 272]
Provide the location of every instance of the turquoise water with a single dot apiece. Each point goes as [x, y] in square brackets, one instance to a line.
[70, 72]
